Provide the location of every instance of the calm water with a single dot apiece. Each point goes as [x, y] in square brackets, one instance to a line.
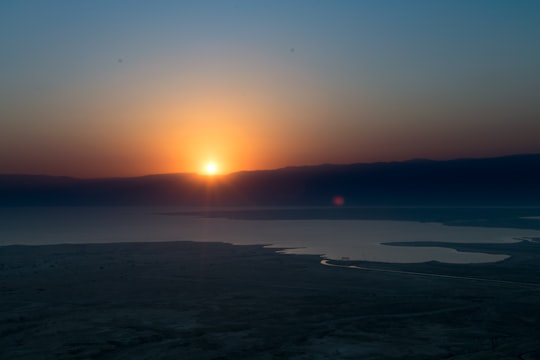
[356, 239]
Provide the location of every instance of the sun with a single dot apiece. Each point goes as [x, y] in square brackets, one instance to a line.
[210, 169]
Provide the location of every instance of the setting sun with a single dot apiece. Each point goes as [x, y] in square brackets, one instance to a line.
[210, 169]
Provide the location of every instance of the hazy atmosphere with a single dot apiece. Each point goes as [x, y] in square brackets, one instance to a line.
[121, 88]
[269, 179]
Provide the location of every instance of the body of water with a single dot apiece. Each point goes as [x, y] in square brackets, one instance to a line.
[334, 239]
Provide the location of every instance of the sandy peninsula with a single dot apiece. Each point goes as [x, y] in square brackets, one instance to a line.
[186, 300]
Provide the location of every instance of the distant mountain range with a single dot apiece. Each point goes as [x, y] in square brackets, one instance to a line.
[509, 180]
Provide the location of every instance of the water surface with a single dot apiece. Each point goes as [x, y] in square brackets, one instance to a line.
[335, 239]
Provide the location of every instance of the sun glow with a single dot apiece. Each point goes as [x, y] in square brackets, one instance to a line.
[210, 169]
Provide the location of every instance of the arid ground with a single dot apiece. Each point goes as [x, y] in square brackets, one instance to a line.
[187, 300]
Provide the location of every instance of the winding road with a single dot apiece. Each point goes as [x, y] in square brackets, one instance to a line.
[326, 262]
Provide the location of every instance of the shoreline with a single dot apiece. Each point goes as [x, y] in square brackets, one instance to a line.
[517, 217]
[299, 229]
[205, 300]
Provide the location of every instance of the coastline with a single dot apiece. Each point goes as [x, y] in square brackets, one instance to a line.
[306, 230]
[206, 300]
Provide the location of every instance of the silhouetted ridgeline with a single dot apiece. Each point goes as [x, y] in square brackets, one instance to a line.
[510, 180]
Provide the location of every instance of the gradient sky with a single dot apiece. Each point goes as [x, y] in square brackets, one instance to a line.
[129, 87]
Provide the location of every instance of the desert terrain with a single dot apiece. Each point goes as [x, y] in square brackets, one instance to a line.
[187, 300]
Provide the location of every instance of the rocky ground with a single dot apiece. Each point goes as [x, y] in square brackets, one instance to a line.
[189, 300]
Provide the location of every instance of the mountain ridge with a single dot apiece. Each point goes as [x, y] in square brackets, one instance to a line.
[512, 179]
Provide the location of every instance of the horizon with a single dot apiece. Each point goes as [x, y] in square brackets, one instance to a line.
[126, 88]
[203, 174]
[254, 179]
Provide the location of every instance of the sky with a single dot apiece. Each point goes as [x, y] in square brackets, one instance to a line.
[129, 87]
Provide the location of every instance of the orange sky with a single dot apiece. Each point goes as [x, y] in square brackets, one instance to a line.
[133, 88]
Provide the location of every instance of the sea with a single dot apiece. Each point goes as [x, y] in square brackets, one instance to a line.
[339, 239]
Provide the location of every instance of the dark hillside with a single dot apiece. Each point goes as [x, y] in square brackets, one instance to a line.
[510, 180]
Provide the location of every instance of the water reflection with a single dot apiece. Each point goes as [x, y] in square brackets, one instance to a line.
[335, 239]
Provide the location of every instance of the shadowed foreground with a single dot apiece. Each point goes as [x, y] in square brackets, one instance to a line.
[216, 301]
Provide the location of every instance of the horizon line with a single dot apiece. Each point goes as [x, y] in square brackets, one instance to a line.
[198, 174]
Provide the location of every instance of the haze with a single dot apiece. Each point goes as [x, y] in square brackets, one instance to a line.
[119, 88]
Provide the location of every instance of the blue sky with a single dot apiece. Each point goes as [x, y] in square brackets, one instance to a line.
[94, 88]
